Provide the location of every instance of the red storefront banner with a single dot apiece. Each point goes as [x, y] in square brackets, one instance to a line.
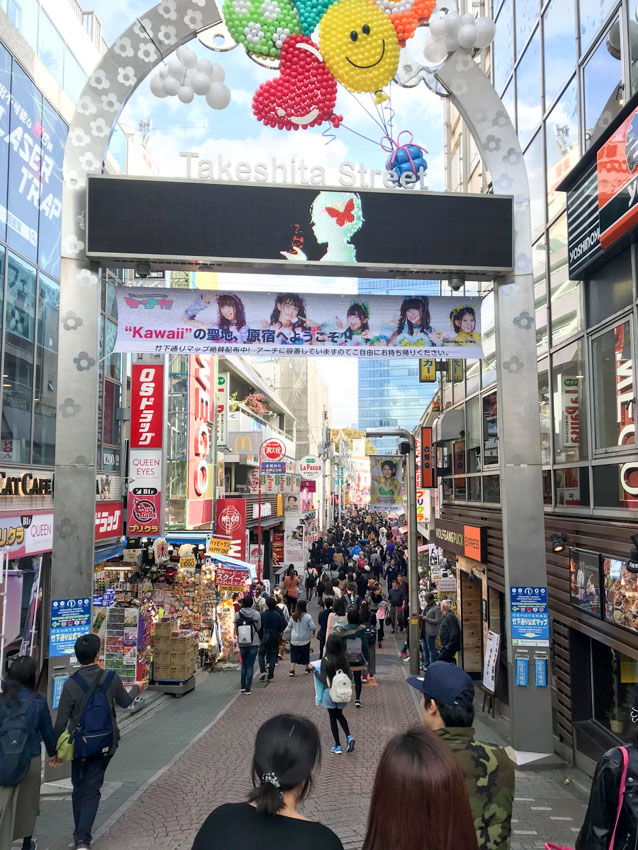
[108, 520]
[428, 461]
[231, 522]
[147, 406]
[227, 577]
[200, 417]
[417, 445]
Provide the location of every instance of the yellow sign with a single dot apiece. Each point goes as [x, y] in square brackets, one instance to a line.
[219, 546]
[187, 563]
[280, 504]
[427, 371]
[455, 370]
[245, 444]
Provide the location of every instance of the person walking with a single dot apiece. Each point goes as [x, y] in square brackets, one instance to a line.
[290, 588]
[300, 631]
[322, 620]
[396, 597]
[449, 634]
[285, 613]
[430, 626]
[310, 582]
[403, 614]
[24, 714]
[272, 627]
[247, 628]
[447, 709]
[417, 773]
[337, 615]
[379, 606]
[90, 684]
[287, 749]
[369, 620]
[355, 644]
[333, 662]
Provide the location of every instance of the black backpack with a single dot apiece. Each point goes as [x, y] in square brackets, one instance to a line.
[15, 757]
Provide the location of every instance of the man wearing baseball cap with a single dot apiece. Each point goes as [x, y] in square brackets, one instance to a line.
[447, 708]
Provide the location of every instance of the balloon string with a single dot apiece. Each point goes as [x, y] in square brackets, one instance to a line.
[328, 134]
[372, 141]
[381, 116]
[381, 127]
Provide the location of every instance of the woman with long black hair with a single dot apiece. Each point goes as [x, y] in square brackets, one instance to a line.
[333, 661]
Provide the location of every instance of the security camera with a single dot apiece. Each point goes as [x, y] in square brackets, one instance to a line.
[143, 269]
[457, 282]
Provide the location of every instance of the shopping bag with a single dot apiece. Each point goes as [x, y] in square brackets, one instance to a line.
[65, 746]
[550, 846]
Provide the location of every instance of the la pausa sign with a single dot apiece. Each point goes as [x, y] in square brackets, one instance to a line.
[297, 172]
[310, 468]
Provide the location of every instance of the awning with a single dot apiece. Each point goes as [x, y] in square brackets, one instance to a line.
[449, 426]
[105, 553]
[235, 563]
[424, 548]
[267, 522]
[195, 538]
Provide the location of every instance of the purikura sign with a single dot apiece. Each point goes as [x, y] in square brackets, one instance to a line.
[145, 476]
[311, 468]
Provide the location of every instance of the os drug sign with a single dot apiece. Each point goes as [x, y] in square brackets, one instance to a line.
[310, 468]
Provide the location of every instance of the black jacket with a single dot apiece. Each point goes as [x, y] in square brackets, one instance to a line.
[450, 633]
[600, 816]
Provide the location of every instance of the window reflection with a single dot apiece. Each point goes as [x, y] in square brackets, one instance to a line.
[563, 149]
[592, 16]
[503, 46]
[559, 44]
[490, 429]
[529, 106]
[51, 48]
[572, 487]
[603, 95]
[488, 364]
[539, 269]
[473, 434]
[46, 372]
[613, 388]
[544, 410]
[570, 404]
[509, 102]
[536, 175]
[526, 17]
[492, 489]
[616, 486]
[564, 293]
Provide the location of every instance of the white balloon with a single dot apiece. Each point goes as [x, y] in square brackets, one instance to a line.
[186, 56]
[218, 75]
[186, 94]
[451, 43]
[157, 86]
[485, 32]
[468, 19]
[451, 25]
[467, 36]
[437, 29]
[219, 96]
[200, 83]
[435, 50]
[176, 69]
[171, 86]
[163, 72]
[204, 66]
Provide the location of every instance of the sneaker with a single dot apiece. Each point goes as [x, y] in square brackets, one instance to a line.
[82, 847]
[406, 659]
[336, 750]
[364, 678]
[357, 703]
[243, 691]
[292, 673]
[248, 693]
[349, 744]
[262, 677]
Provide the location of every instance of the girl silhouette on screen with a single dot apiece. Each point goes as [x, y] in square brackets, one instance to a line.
[336, 217]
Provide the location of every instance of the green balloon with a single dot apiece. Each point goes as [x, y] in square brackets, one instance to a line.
[260, 24]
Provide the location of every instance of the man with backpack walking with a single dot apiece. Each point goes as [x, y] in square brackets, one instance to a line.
[87, 711]
[248, 627]
[272, 626]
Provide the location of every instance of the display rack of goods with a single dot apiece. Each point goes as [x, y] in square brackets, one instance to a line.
[174, 655]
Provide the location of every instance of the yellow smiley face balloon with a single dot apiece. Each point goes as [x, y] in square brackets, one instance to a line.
[359, 45]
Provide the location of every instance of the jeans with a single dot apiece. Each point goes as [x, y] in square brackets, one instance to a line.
[267, 657]
[248, 655]
[429, 657]
[87, 777]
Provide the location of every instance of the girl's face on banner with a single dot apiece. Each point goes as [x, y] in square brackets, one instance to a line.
[468, 323]
[413, 316]
[288, 312]
[228, 312]
[387, 471]
[354, 322]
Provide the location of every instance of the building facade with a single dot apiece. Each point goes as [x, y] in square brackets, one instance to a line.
[566, 71]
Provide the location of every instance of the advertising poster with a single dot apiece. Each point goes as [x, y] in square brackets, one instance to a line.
[293, 532]
[201, 403]
[490, 664]
[187, 321]
[231, 523]
[145, 457]
[386, 478]
[584, 581]
[621, 594]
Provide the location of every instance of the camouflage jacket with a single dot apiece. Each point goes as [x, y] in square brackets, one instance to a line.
[489, 777]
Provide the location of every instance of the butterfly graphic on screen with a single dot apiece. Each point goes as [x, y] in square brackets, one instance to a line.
[631, 145]
[344, 216]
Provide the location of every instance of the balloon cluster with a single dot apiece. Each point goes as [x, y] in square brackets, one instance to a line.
[186, 76]
[406, 15]
[303, 95]
[311, 12]
[451, 31]
[261, 26]
[406, 157]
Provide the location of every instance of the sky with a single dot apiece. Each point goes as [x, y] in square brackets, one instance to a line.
[235, 135]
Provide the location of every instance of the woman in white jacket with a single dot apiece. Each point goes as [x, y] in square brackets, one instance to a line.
[300, 631]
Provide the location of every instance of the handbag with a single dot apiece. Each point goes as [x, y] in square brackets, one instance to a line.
[621, 796]
[65, 746]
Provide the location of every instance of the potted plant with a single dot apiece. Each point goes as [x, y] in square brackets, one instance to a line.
[255, 402]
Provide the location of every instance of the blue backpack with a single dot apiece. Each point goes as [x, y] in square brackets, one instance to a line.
[15, 757]
[94, 734]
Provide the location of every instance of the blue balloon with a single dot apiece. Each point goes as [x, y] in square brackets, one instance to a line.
[407, 159]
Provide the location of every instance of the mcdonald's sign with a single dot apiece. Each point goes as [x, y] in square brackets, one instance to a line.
[244, 442]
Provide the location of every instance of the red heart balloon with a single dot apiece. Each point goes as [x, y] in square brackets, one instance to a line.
[305, 93]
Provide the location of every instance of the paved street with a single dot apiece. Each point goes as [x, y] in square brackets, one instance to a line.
[183, 757]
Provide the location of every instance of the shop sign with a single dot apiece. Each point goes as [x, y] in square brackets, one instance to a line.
[144, 492]
[311, 468]
[231, 522]
[467, 540]
[309, 486]
[625, 402]
[108, 520]
[428, 466]
[245, 442]
[70, 619]
[616, 163]
[233, 579]
[200, 408]
[26, 534]
[188, 564]
[147, 402]
[446, 584]
[219, 546]
[427, 370]
[19, 483]
[417, 452]
[222, 410]
[274, 466]
[420, 505]
[110, 460]
[529, 616]
[273, 450]
[571, 411]
[583, 225]
[490, 664]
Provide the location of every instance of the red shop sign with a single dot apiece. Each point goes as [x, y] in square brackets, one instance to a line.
[147, 403]
[108, 520]
[226, 577]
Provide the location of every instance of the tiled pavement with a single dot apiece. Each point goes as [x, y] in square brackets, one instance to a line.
[161, 786]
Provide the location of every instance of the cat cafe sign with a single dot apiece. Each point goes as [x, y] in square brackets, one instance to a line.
[25, 483]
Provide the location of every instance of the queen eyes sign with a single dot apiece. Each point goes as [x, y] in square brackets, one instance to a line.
[387, 233]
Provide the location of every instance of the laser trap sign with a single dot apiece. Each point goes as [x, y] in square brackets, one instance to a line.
[530, 617]
[186, 321]
[291, 230]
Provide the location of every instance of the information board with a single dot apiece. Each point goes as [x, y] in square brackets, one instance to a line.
[530, 618]
[70, 619]
[490, 665]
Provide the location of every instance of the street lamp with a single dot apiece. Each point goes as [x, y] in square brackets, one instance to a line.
[413, 571]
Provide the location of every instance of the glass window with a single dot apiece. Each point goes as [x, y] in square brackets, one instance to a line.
[592, 16]
[539, 268]
[546, 425]
[536, 174]
[74, 76]
[603, 92]
[503, 46]
[559, 39]
[490, 429]
[473, 434]
[572, 487]
[5, 82]
[491, 489]
[488, 364]
[24, 14]
[564, 293]
[17, 378]
[46, 367]
[610, 290]
[563, 149]
[526, 17]
[547, 486]
[448, 492]
[472, 373]
[458, 459]
[614, 678]
[113, 361]
[584, 580]
[474, 489]
[616, 486]
[111, 422]
[529, 96]
[570, 408]
[614, 400]
[51, 48]
[53, 142]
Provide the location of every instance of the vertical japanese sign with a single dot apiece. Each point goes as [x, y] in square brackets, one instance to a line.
[200, 416]
[222, 410]
[145, 459]
[427, 370]
[428, 467]
[231, 523]
[417, 445]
